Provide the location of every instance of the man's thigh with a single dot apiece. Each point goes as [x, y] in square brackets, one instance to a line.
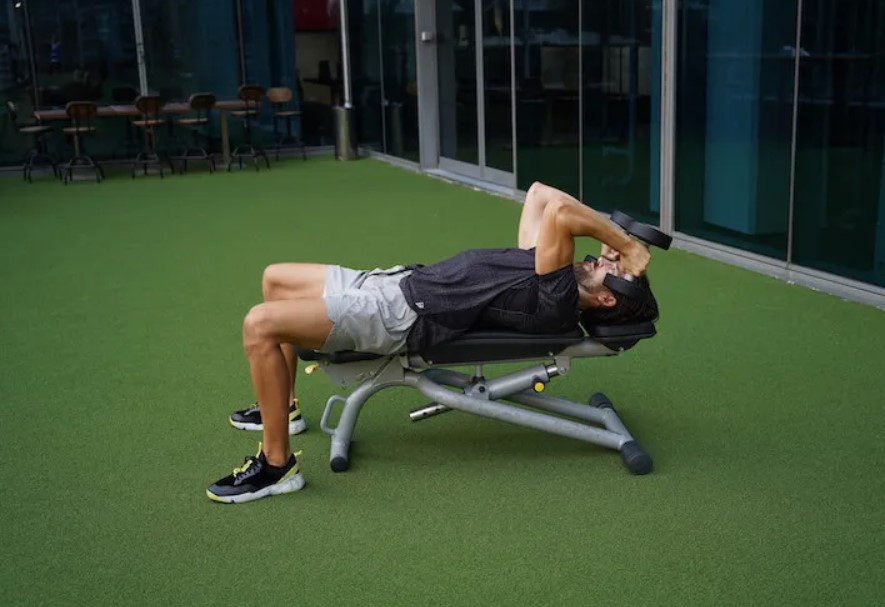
[294, 281]
[303, 322]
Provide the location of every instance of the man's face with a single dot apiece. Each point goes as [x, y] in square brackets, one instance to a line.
[591, 273]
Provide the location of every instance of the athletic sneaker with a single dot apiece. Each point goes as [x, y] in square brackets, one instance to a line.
[250, 419]
[256, 479]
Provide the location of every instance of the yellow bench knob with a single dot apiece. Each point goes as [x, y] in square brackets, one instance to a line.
[539, 386]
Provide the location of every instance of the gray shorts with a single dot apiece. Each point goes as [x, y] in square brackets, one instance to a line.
[369, 310]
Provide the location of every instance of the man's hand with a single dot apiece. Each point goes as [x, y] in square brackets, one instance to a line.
[634, 258]
[609, 253]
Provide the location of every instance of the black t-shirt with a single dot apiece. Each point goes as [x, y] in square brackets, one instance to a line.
[489, 288]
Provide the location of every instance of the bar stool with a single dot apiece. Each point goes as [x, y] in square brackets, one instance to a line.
[251, 95]
[39, 154]
[149, 106]
[202, 104]
[126, 95]
[279, 96]
[81, 114]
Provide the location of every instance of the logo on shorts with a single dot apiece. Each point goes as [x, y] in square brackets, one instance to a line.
[420, 305]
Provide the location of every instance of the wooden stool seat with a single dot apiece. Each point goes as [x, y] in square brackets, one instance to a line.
[73, 130]
[34, 130]
[193, 121]
[148, 122]
[287, 113]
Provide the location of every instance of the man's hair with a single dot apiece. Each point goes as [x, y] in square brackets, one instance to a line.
[627, 309]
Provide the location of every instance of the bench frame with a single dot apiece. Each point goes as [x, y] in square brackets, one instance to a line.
[596, 422]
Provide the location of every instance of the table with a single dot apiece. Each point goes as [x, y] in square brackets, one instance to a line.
[123, 111]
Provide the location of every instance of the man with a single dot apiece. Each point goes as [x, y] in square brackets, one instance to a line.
[536, 288]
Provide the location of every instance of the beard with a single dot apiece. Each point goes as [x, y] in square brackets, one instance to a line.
[583, 277]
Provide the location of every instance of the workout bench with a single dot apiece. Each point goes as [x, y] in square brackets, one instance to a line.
[482, 396]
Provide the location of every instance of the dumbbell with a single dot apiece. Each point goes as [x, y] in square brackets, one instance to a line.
[647, 235]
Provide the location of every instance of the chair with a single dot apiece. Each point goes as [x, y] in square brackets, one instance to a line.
[251, 95]
[82, 115]
[279, 96]
[126, 95]
[201, 104]
[149, 107]
[39, 154]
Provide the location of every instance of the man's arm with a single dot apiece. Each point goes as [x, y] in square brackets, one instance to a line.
[562, 219]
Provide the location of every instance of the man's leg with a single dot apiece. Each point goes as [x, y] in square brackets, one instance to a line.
[275, 469]
[284, 281]
[303, 322]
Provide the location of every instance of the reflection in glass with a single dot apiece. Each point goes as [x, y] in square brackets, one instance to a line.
[734, 122]
[839, 213]
[365, 68]
[85, 51]
[15, 82]
[456, 44]
[268, 41]
[400, 78]
[621, 75]
[497, 85]
[182, 59]
[547, 89]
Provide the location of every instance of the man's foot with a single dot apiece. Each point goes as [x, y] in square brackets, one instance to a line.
[250, 419]
[256, 479]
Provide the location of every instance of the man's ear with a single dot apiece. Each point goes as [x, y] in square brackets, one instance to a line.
[606, 299]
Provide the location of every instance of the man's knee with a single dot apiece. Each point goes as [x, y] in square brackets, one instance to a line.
[270, 281]
[258, 328]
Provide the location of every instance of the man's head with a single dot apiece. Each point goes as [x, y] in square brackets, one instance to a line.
[600, 306]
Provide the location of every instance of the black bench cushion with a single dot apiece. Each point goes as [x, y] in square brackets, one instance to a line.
[505, 345]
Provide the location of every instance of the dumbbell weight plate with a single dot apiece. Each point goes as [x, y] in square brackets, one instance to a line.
[622, 286]
[650, 235]
[621, 219]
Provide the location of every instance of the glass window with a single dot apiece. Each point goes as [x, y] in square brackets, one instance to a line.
[734, 122]
[839, 213]
[497, 87]
[85, 51]
[457, 77]
[16, 85]
[547, 87]
[620, 43]
[365, 67]
[190, 46]
[268, 54]
[400, 79]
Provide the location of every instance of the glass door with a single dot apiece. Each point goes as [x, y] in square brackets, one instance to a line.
[474, 72]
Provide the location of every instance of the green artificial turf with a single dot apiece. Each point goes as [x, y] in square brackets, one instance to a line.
[120, 359]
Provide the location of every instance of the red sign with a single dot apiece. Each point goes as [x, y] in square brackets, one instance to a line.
[315, 15]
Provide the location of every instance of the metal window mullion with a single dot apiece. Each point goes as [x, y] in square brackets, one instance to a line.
[480, 85]
[381, 78]
[668, 115]
[241, 41]
[794, 134]
[513, 92]
[139, 46]
[581, 101]
[32, 64]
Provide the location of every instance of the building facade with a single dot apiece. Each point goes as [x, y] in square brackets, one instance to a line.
[754, 130]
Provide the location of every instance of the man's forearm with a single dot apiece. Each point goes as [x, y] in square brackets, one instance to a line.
[579, 219]
[584, 221]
